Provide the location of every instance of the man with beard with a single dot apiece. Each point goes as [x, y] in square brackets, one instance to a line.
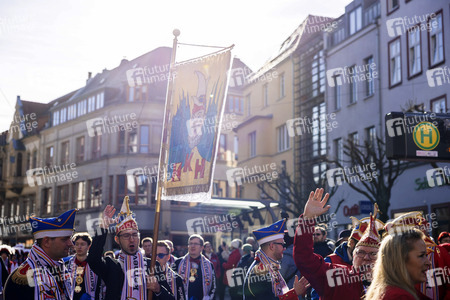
[43, 275]
[263, 280]
[333, 281]
[125, 277]
[84, 281]
[197, 271]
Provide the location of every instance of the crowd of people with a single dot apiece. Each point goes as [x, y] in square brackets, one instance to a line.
[397, 260]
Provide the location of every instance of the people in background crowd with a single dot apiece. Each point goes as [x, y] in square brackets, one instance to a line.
[444, 238]
[321, 245]
[147, 244]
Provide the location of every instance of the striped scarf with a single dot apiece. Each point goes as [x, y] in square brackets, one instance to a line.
[45, 284]
[135, 286]
[171, 278]
[279, 286]
[184, 269]
[430, 288]
[90, 279]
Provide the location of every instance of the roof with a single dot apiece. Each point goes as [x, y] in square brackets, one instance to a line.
[305, 31]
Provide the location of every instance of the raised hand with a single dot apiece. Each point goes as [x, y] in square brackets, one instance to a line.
[316, 205]
[107, 216]
[300, 286]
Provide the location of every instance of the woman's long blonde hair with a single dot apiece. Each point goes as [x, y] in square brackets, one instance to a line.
[390, 267]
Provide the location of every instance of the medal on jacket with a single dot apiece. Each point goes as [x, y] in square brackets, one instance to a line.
[193, 272]
[79, 279]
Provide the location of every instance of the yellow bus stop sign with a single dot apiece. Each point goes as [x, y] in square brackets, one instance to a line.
[426, 136]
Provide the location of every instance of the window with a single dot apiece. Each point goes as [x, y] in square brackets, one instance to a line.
[252, 143]
[49, 156]
[72, 113]
[100, 100]
[236, 147]
[436, 40]
[355, 20]
[249, 107]
[353, 85]
[318, 170]
[414, 52]
[222, 146]
[64, 153]
[337, 91]
[63, 116]
[439, 105]
[235, 104]
[121, 141]
[339, 150]
[371, 136]
[138, 191]
[319, 130]
[144, 139]
[370, 82]
[95, 192]
[395, 64]
[283, 138]
[19, 165]
[318, 73]
[34, 163]
[55, 118]
[79, 149]
[79, 194]
[81, 107]
[133, 141]
[96, 146]
[47, 201]
[155, 138]
[63, 203]
[282, 86]
[266, 94]
[372, 13]
[28, 160]
[91, 104]
[130, 94]
[338, 36]
[392, 5]
[354, 138]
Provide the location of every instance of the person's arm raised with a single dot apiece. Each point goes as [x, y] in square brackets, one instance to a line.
[316, 205]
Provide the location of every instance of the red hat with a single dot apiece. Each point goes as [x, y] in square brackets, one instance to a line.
[126, 220]
[370, 238]
[360, 226]
[443, 234]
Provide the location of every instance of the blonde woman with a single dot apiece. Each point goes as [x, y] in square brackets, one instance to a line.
[402, 262]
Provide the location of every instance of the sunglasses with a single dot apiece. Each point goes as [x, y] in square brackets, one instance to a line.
[161, 255]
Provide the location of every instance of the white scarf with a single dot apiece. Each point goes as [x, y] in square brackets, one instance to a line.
[184, 269]
[45, 285]
[134, 267]
[90, 279]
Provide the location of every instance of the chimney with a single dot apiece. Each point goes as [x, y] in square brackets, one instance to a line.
[89, 77]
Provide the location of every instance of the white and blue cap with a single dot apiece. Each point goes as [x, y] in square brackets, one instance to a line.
[54, 227]
[270, 233]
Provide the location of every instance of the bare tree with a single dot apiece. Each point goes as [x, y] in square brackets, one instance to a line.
[293, 196]
[378, 189]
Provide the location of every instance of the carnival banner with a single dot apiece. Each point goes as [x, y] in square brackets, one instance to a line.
[194, 109]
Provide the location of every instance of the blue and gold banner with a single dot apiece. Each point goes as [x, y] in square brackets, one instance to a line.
[194, 109]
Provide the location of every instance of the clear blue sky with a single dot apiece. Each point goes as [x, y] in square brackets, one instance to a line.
[47, 47]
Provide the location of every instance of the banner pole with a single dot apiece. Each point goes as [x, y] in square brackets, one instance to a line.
[176, 33]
